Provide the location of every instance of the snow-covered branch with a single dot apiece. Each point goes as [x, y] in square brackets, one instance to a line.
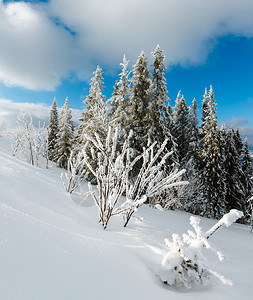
[226, 220]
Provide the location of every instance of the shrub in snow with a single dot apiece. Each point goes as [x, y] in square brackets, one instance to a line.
[75, 172]
[18, 138]
[2, 129]
[184, 264]
[112, 174]
[33, 140]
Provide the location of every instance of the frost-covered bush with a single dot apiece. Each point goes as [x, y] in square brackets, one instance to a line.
[112, 175]
[2, 128]
[75, 172]
[30, 140]
[30, 143]
[184, 264]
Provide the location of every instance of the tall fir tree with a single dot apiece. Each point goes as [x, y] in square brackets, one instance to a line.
[213, 183]
[181, 129]
[52, 130]
[160, 109]
[247, 168]
[65, 137]
[191, 196]
[160, 97]
[193, 128]
[238, 141]
[94, 118]
[119, 102]
[204, 112]
[246, 159]
[140, 98]
[235, 193]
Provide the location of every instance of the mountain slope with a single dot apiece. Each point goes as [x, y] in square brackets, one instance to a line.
[53, 248]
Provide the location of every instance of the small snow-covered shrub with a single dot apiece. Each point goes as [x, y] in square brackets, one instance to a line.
[2, 128]
[33, 141]
[112, 175]
[75, 172]
[184, 264]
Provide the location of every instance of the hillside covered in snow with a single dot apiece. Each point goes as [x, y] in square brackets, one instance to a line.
[52, 246]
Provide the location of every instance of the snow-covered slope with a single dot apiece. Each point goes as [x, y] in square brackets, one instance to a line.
[53, 248]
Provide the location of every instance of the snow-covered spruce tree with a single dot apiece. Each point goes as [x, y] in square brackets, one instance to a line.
[119, 103]
[161, 120]
[191, 196]
[193, 128]
[246, 160]
[205, 108]
[213, 177]
[238, 141]
[184, 264]
[204, 113]
[139, 117]
[235, 193]
[52, 129]
[94, 118]
[168, 125]
[114, 103]
[112, 174]
[247, 169]
[65, 137]
[159, 97]
[181, 128]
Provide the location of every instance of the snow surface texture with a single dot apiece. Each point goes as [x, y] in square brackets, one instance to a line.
[52, 247]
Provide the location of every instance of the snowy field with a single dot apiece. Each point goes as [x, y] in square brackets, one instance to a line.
[52, 246]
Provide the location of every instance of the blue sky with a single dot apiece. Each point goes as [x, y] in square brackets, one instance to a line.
[50, 49]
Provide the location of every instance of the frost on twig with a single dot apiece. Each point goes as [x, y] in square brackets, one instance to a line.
[184, 264]
[112, 174]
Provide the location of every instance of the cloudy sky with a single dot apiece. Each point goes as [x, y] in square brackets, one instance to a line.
[50, 49]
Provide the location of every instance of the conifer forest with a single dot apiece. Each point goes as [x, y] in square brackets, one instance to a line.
[214, 163]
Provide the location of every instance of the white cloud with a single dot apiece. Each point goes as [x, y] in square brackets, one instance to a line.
[236, 122]
[36, 53]
[247, 132]
[241, 124]
[9, 111]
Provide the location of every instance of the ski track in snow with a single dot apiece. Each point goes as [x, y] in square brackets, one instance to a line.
[10, 212]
